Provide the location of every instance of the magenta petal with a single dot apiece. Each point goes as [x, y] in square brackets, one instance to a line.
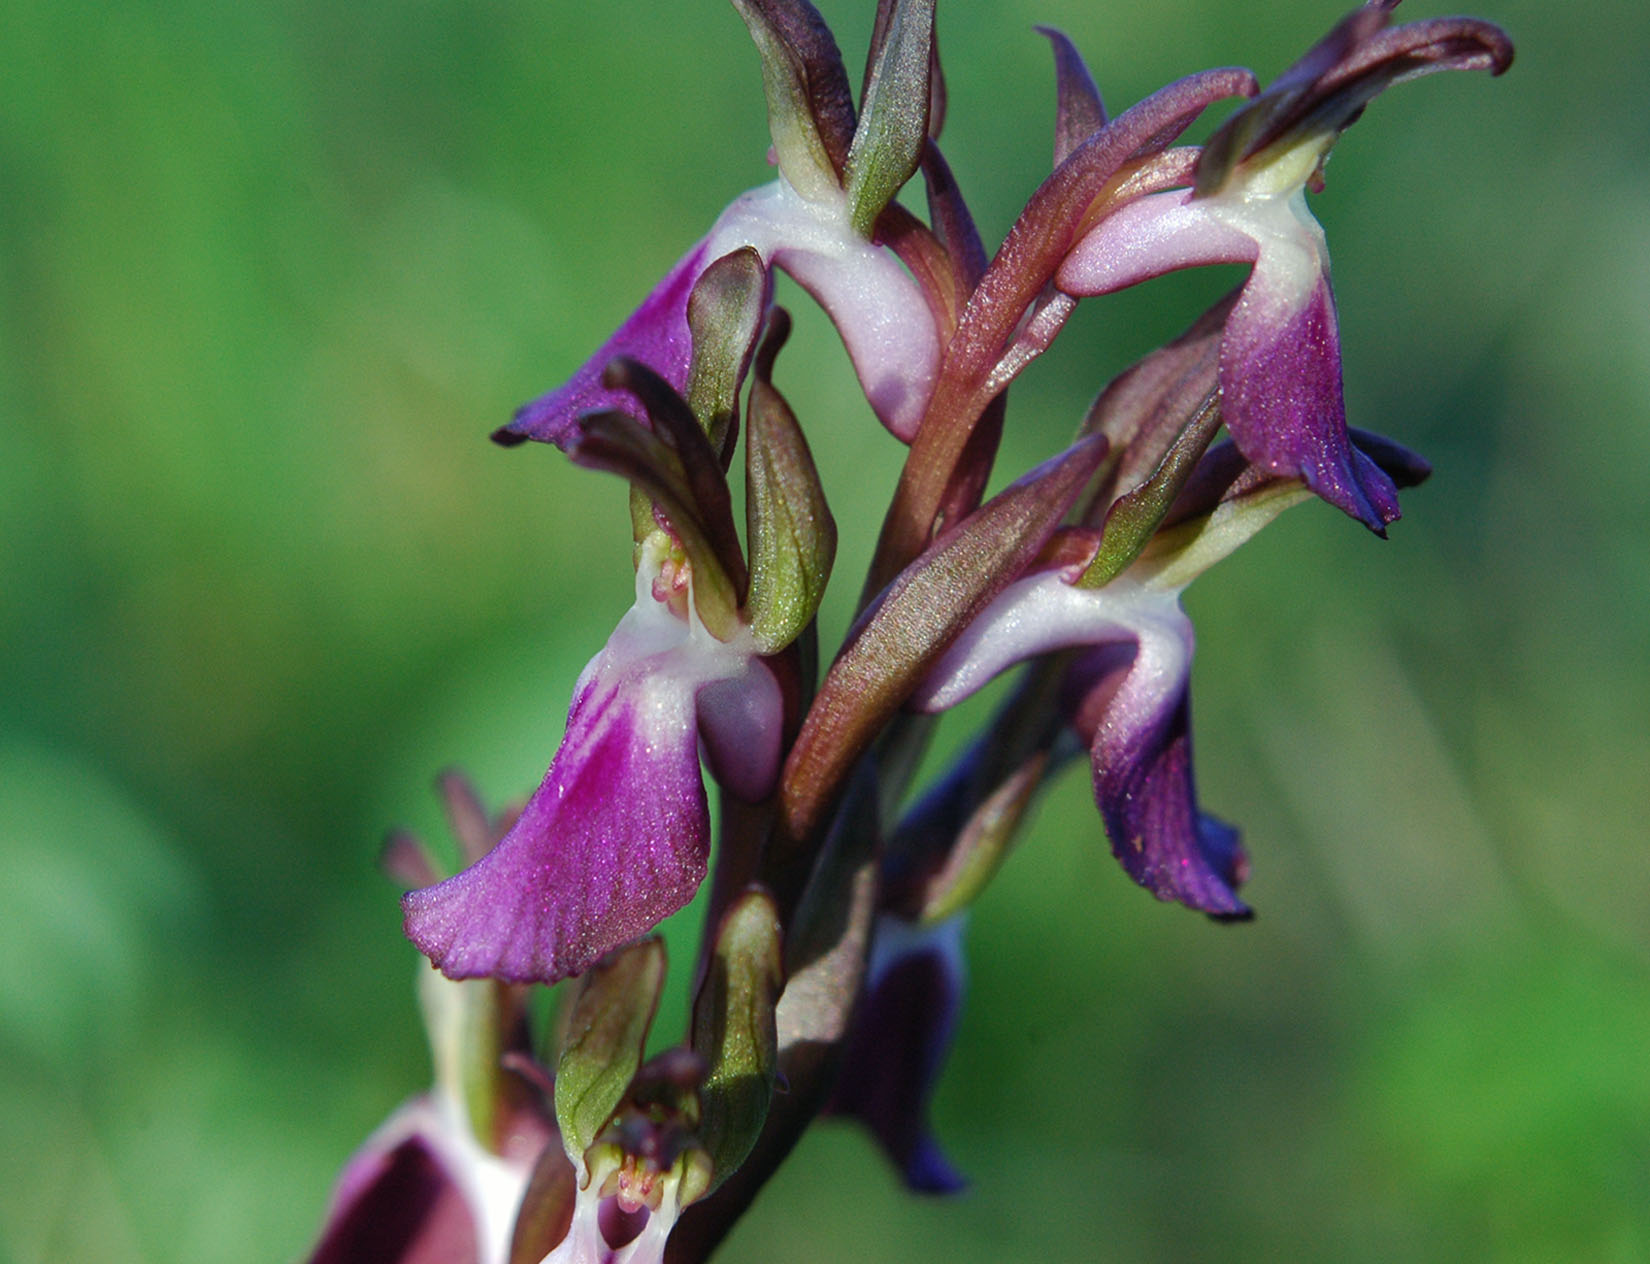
[656, 334]
[1137, 716]
[901, 1033]
[613, 841]
[616, 838]
[1280, 384]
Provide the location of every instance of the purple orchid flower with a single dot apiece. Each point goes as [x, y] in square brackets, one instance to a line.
[878, 309]
[1127, 697]
[618, 835]
[818, 222]
[898, 1042]
[1126, 686]
[1280, 362]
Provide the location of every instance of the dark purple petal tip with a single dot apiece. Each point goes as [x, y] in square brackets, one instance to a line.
[656, 334]
[897, 1045]
[1165, 844]
[1281, 394]
[1135, 711]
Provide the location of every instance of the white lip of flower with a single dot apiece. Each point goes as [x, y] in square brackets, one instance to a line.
[1283, 229]
[1265, 200]
[492, 1187]
[686, 648]
[1042, 613]
[584, 1243]
[864, 287]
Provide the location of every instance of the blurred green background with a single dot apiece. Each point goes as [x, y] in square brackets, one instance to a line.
[270, 272]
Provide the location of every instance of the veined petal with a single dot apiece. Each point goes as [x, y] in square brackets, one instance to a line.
[901, 1033]
[1280, 364]
[613, 842]
[1161, 232]
[616, 838]
[1136, 713]
[656, 333]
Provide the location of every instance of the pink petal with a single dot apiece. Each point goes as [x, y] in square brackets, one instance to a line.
[1159, 233]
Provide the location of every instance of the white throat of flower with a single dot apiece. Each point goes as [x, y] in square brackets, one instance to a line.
[875, 304]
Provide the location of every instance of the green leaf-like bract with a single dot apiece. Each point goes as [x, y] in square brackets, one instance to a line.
[893, 122]
[734, 1030]
[611, 1014]
[787, 522]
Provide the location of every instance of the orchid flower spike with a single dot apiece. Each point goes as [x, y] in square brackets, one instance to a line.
[1280, 367]
[816, 222]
